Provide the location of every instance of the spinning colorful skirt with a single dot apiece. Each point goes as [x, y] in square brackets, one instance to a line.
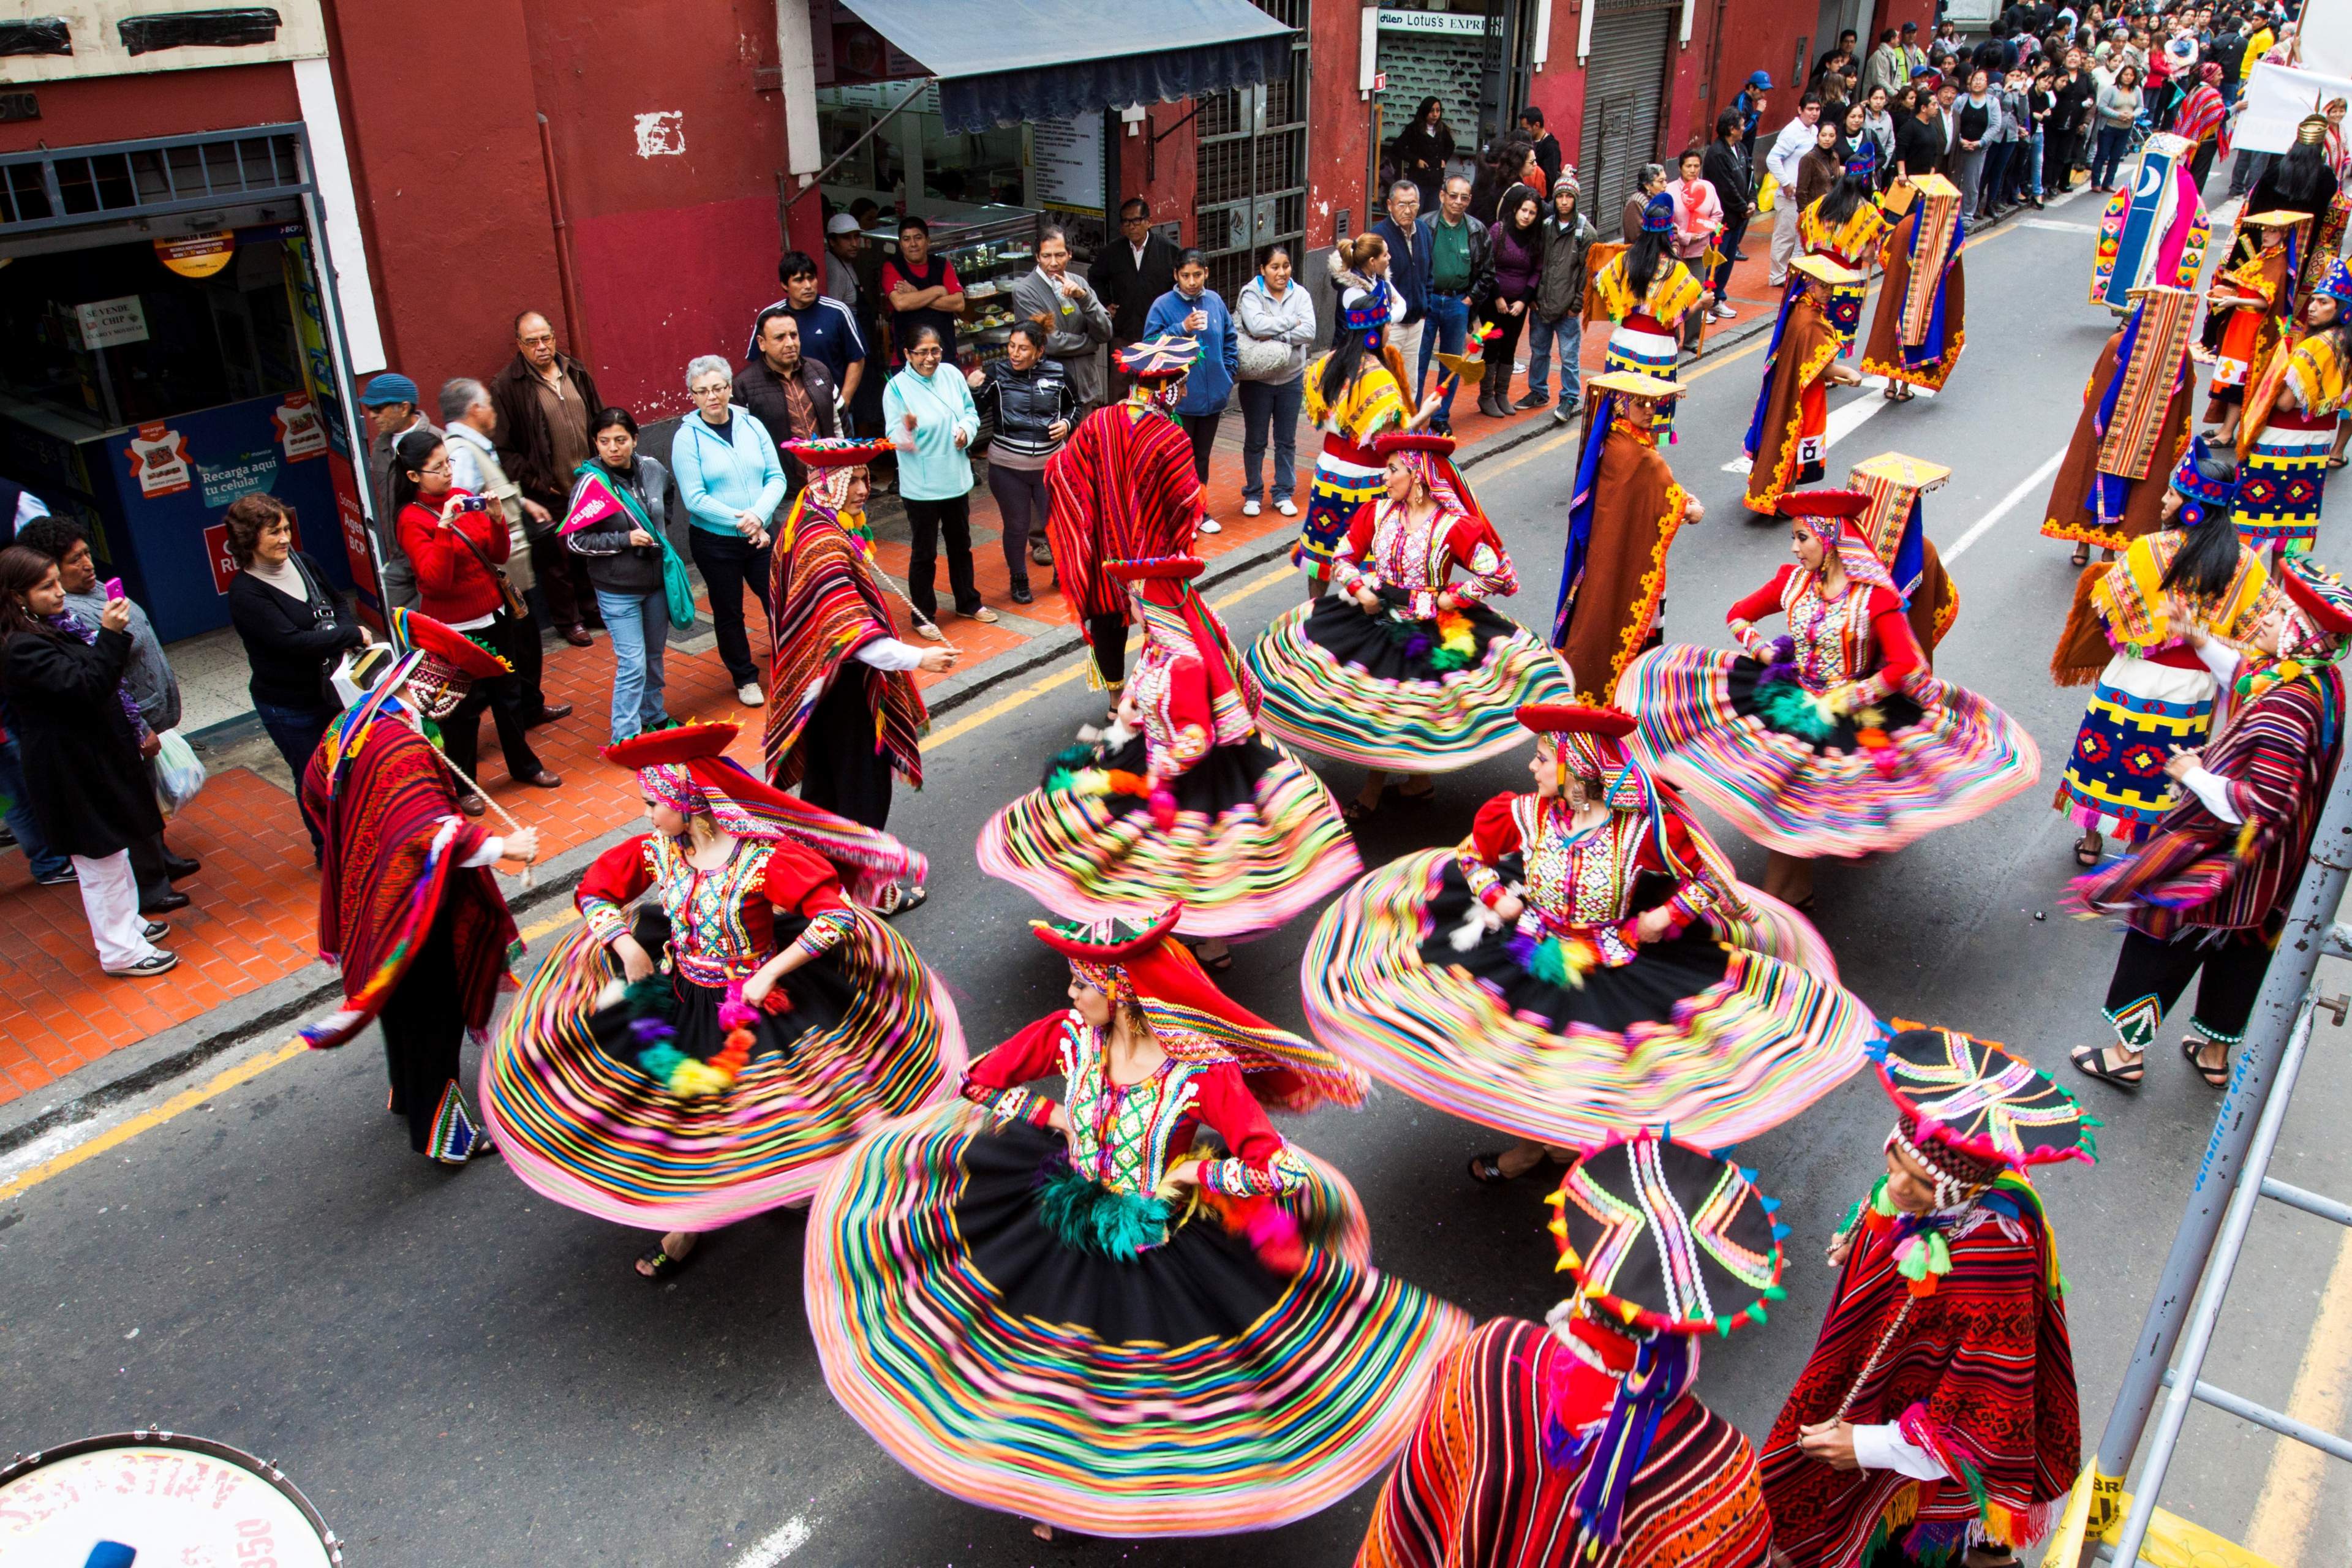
[1019, 1320]
[670, 1103]
[1182, 800]
[1833, 740]
[1410, 686]
[1562, 1023]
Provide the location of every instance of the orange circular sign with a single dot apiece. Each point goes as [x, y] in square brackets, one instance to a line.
[198, 255]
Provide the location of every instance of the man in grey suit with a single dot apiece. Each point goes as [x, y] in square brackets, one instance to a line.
[1076, 322]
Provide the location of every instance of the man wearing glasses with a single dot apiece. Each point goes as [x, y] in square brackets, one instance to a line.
[546, 401]
[1131, 272]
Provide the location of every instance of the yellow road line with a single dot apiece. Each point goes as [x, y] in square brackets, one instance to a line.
[2291, 1491]
[186, 1100]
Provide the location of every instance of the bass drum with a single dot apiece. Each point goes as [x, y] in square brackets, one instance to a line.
[154, 1497]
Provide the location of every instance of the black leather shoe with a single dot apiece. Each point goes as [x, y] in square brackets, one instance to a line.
[1022, 595]
[180, 868]
[549, 715]
[165, 903]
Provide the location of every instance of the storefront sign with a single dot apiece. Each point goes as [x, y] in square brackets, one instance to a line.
[1066, 163]
[247, 473]
[159, 460]
[198, 255]
[106, 322]
[223, 565]
[301, 428]
[1459, 23]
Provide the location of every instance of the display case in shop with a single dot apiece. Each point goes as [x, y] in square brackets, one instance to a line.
[989, 256]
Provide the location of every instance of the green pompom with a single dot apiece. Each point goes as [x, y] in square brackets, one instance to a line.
[1785, 706]
[1085, 1215]
[1549, 964]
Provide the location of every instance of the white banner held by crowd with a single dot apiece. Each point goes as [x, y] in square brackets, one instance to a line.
[2275, 97]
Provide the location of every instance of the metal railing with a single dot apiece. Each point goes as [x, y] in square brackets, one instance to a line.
[2233, 1175]
[158, 175]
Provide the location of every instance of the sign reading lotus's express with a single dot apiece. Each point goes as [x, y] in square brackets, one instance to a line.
[1458, 23]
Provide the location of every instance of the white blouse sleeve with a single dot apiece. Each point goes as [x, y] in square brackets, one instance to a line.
[1884, 1447]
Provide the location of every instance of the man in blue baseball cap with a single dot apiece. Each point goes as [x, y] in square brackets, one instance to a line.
[1753, 105]
[390, 402]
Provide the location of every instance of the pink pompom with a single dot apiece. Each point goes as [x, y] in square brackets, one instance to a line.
[1163, 809]
[1273, 1234]
[735, 1012]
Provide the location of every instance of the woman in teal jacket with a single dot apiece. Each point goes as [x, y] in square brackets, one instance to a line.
[729, 477]
[1194, 309]
[929, 413]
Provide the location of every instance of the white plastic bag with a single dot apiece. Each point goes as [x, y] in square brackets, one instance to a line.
[178, 772]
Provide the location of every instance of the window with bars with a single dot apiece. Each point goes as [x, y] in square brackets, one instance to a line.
[182, 174]
[1251, 164]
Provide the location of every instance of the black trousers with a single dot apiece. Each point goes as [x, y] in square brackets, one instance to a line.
[2057, 161]
[1203, 429]
[930, 520]
[461, 731]
[147, 865]
[847, 773]
[729, 564]
[1108, 636]
[2150, 976]
[424, 1027]
[562, 576]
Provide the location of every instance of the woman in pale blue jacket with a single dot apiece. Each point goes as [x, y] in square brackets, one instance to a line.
[729, 478]
[929, 413]
[1192, 310]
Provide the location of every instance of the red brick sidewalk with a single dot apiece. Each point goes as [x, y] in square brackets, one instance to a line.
[254, 916]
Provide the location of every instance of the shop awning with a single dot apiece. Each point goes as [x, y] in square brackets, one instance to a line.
[1014, 60]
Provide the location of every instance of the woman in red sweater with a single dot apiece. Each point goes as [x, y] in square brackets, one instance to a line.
[1832, 740]
[455, 543]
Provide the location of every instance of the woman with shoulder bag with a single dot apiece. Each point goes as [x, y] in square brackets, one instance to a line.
[616, 523]
[1275, 326]
[293, 626]
[456, 543]
[1034, 405]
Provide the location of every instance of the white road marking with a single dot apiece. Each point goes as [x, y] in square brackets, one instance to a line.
[780, 1543]
[2060, 225]
[2025, 487]
[1843, 421]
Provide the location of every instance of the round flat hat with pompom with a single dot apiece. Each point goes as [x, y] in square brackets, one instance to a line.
[1667, 1238]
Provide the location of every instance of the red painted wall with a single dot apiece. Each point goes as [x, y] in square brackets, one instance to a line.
[1165, 177]
[1338, 126]
[162, 103]
[1761, 34]
[452, 184]
[1558, 88]
[672, 253]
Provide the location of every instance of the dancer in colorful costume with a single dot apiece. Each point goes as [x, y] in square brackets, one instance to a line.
[1404, 669]
[2209, 891]
[2154, 693]
[2291, 419]
[1937, 1415]
[1648, 292]
[1895, 527]
[1579, 1441]
[1846, 222]
[2304, 180]
[1623, 517]
[2134, 428]
[2259, 295]
[2154, 230]
[1085, 1312]
[409, 908]
[1787, 437]
[1584, 961]
[1832, 740]
[844, 714]
[1183, 799]
[1124, 490]
[1355, 393]
[705, 1055]
[1923, 301]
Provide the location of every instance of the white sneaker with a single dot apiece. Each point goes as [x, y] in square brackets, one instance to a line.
[1211, 525]
[1286, 508]
[1726, 313]
[1249, 509]
[749, 695]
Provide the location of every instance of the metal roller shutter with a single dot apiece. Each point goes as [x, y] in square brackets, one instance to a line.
[1432, 65]
[1624, 99]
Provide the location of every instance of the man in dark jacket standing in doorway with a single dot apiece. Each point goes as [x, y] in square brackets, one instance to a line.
[1130, 274]
[547, 403]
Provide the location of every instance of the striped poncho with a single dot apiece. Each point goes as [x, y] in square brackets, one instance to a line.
[825, 607]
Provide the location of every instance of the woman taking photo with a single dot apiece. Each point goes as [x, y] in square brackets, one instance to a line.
[1277, 316]
[616, 523]
[732, 481]
[1423, 151]
[455, 543]
[1517, 266]
[1192, 310]
[1034, 405]
[74, 726]
[928, 414]
[293, 626]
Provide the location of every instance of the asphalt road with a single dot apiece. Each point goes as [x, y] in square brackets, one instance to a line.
[457, 1371]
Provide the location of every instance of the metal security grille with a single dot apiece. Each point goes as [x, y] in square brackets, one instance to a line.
[1251, 164]
[1624, 99]
[47, 190]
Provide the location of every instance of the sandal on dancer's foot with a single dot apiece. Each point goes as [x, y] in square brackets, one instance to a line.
[2091, 1061]
[2215, 1077]
[1487, 1169]
[1422, 797]
[900, 898]
[1358, 809]
[657, 1263]
[1216, 966]
[2082, 556]
[2089, 849]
